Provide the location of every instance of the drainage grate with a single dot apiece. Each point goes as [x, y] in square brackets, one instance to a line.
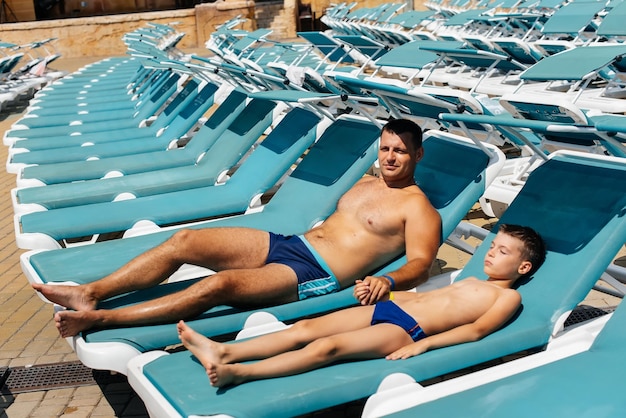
[56, 376]
[584, 313]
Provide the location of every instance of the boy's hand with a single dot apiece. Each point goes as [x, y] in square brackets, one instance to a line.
[371, 290]
[361, 292]
[407, 351]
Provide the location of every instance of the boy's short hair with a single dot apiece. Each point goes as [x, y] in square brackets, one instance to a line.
[533, 246]
[400, 126]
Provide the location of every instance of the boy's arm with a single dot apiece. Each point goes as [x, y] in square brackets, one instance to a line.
[500, 312]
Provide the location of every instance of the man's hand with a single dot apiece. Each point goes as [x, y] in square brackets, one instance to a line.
[371, 290]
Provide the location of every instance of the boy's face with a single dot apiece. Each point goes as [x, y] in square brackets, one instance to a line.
[505, 260]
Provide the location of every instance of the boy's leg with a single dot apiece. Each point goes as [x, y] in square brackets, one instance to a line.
[372, 342]
[299, 334]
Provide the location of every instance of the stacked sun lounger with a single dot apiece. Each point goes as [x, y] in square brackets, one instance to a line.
[523, 105]
[25, 69]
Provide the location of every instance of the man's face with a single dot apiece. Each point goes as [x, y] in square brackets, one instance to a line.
[396, 157]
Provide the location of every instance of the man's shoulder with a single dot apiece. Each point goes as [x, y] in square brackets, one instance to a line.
[417, 198]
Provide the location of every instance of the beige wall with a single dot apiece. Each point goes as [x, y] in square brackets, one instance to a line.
[101, 36]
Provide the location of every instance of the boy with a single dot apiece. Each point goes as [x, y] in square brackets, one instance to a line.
[404, 325]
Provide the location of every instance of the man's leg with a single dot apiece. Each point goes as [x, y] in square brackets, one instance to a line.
[268, 285]
[214, 248]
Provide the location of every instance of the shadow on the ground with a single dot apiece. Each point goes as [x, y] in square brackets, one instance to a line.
[120, 395]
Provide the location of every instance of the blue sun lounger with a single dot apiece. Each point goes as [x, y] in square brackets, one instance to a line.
[121, 73]
[162, 88]
[164, 110]
[572, 19]
[176, 121]
[589, 76]
[612, 24]
[424, 102]
[559, 379]
[140, 85]
[93, 84]
[124, 97]
[574, 201]
[60, 173]
[75, 183]
[95, 91]
[453, 173]
[79, 89]
[541, 124]
[308, 197]
[197, 196]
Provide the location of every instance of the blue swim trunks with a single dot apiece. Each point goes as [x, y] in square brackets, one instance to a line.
[313, 274]
[388, 312]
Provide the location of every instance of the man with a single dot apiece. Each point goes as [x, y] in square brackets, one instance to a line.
[375, 221]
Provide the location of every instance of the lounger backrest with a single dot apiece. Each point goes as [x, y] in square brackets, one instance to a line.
[574, 64]
[464, 167]
[330, 48]
[572, 18]
[191, 86]
[166, 83]
[561, 111]
[413, 54]
[613, 23]
[268, 158]
[575, 202]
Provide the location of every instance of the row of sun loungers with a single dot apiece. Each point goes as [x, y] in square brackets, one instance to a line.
[25, 69]
[114, 158]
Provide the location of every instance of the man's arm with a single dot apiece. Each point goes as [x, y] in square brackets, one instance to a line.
[422, 239]
[501, 311]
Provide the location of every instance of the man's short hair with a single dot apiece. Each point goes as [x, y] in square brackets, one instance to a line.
[401, 126]
[533, 246]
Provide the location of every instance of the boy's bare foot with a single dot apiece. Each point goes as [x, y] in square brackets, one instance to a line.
[206, 350]
[221, 375]
[211, 355]
[70, 323]
[72, 297]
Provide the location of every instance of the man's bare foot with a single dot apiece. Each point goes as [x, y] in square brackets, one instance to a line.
[72, 297]
[70, 323]
[206, 350]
